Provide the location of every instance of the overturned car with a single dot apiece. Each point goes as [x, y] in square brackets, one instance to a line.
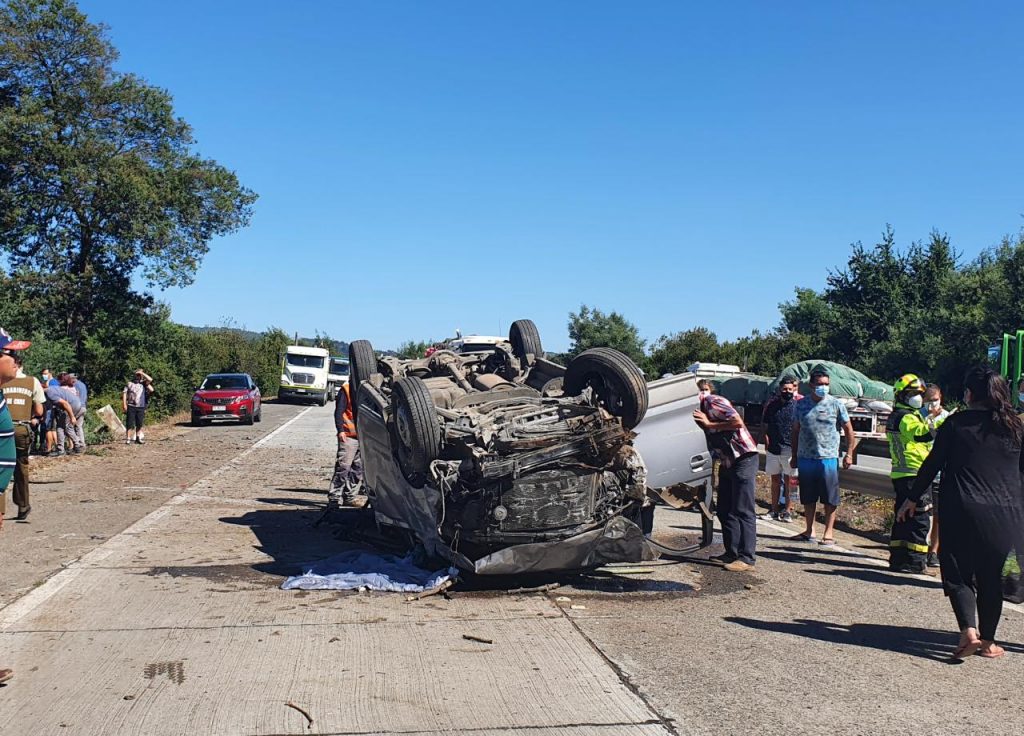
[504, 462]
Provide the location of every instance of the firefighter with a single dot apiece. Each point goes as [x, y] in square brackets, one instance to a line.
[910, 438]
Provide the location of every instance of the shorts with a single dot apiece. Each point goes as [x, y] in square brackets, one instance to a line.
[779, 464]
[819, 480]
[134, 417]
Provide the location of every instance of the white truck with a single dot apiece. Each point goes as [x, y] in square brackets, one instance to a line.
[304, 374]
[337, 375]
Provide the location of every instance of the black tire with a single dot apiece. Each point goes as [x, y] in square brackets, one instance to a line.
[259, 414]
[417, 430]
[322, 401]
[196, 421]
[362, 362]
[525, 339]
[248, 420]
[615, 379]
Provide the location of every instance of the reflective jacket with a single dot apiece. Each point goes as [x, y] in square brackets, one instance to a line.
[344, 419]
[910, 440]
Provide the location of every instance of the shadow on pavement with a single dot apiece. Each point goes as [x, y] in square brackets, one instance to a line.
[289, 536]
[924, 643]
[881, 577]
[799, 556]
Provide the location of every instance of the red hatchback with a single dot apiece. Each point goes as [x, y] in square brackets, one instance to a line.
[227, 396]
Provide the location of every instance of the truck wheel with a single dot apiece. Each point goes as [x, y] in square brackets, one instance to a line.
[615, 379]
[323, 400]
[362, 363]
[417, 430]
[525, 339]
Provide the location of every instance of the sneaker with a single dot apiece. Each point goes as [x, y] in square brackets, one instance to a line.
[725, 558]
[739, 566]
[139, 441]
[933, 560]
[786, 517]
[127, 442]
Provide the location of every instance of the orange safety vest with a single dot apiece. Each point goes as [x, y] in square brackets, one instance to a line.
[348, 419]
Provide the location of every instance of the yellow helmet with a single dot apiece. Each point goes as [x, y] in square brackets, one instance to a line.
[910, 384]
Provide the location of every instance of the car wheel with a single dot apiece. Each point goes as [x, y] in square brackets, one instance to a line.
[196, 421]
[615, 380]
[417, 429]
[248, 419]
[362, 363]
[525, 339]
[323, 400]
[259, 414]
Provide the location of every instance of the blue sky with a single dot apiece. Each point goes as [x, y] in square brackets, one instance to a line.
[426, 166]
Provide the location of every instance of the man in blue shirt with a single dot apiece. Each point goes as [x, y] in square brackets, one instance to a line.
[83, 395]
[815, 441]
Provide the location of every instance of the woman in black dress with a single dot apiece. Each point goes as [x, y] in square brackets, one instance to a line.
[978, 451]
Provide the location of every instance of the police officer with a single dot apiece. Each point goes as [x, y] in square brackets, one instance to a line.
[25, 400]
[910, 438]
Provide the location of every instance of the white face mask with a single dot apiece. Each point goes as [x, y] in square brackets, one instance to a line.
[934, 405]
[915, 402]
[1021, 397]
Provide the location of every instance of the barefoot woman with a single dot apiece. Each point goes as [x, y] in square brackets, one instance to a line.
[978, 452]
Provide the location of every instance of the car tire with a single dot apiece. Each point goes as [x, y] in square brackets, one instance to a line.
[525, 339]
[249, 419]
[615, 379]
[417, 431]
[196, 421]
[259, 414]
[362, 363]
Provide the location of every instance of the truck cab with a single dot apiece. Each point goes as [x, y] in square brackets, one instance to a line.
[304, 374]
[337, 375]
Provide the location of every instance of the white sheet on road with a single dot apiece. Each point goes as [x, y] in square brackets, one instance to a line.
[360, 569]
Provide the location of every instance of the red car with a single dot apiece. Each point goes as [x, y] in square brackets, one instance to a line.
[227, 396]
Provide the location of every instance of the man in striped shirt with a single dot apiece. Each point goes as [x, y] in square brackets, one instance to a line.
[732, 445]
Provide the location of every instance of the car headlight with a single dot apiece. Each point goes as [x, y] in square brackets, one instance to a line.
[196, 398]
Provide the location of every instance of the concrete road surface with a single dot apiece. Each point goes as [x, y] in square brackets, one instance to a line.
[177, 625]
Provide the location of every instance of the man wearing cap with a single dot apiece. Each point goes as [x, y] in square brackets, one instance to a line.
[25, 399]
[8, 455]
[134, 400]
[815, 441]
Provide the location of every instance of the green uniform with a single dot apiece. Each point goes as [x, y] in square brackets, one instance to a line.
[8, 455]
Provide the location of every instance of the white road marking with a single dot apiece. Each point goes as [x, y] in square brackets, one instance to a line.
[21, 607]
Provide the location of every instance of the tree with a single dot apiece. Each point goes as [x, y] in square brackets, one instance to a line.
[592, 328]
[99, 181]
[413, 349]
[674, 353]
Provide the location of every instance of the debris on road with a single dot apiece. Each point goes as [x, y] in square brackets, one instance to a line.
[433, 591]
[626, 570]
[537, 589]
[309, 718]
[562, 599]
[577, 608]
[470, 637]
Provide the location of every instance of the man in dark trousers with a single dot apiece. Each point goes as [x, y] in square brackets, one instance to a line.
[9, 349]
[731, 444]
[25, 400]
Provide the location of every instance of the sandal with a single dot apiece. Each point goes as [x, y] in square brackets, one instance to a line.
[967, 649]
[827, 542]
[804, 537]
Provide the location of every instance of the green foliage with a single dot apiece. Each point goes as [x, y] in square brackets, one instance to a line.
[592, 328]
[98, 178]
[412, 349]
[674, 353]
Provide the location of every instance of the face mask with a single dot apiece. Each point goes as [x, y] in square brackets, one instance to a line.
[915, 402]
[1021, 397]
[934, 405]
[704, 394]
[821, 391]
[786, 396]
